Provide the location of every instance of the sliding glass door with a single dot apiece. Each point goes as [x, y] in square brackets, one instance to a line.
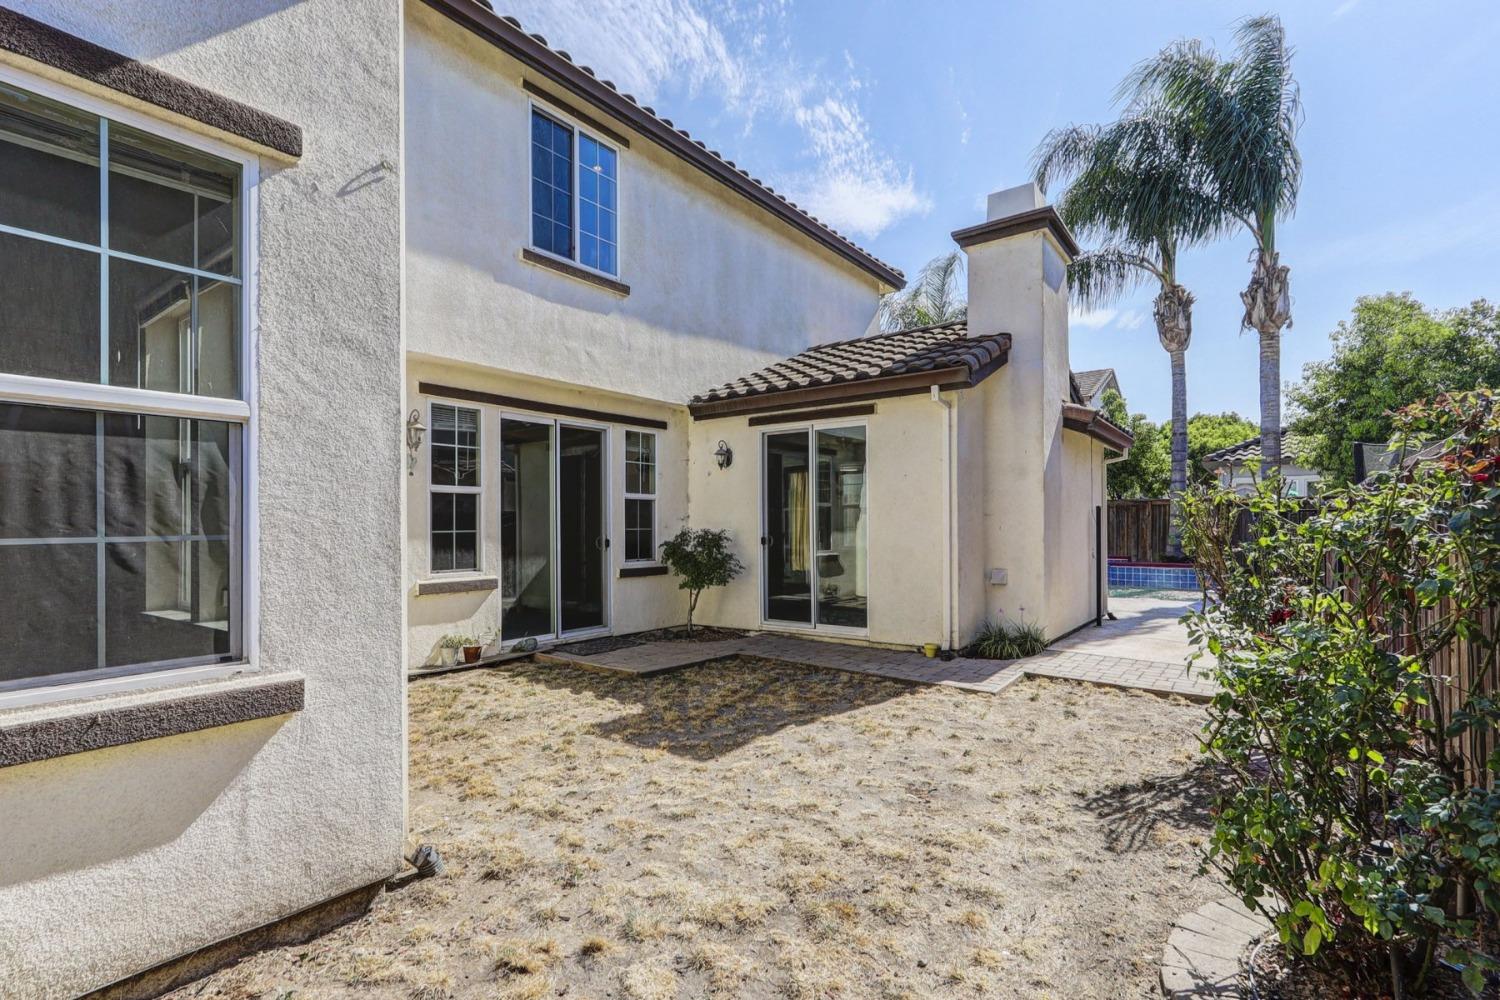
[815, 544]
[553, 529]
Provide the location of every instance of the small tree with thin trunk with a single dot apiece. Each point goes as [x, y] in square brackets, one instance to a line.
[700, 559]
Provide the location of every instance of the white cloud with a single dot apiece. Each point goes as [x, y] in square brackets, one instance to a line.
[1098, 319]
[1344, 8]
[742, 57]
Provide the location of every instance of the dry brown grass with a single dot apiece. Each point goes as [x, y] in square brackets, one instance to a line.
[759, 831]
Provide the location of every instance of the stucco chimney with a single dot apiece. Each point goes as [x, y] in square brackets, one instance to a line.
[1017, 268]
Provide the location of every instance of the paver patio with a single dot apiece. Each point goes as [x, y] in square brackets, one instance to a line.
[1145, 649]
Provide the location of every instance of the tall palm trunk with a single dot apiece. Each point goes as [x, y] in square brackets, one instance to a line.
[1268, 308]
[1173, 311]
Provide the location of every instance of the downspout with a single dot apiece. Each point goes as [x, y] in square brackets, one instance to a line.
[1103, 557]
[948, 518]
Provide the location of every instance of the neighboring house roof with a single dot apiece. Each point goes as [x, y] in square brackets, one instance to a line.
[879, 365]
[1094, 381]
[558, 68]
[1247, 452]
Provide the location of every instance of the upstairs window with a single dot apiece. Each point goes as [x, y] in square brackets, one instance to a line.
[574, 195]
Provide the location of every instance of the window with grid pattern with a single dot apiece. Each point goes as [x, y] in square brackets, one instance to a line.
[640, 496]
[455, 488]
[551, 185]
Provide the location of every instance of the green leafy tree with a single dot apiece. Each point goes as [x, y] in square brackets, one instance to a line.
[1391, 352]
[1243, 114]
[1147, 471]
[700, 559]
[936, 296]
[1133, 188]
[1354, 751]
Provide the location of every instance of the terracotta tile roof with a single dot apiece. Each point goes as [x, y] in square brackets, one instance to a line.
[945, 346]
[1091, 381]
[558, 66]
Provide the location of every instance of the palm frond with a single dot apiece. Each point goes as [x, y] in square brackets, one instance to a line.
[935, 296]
[1099, 277]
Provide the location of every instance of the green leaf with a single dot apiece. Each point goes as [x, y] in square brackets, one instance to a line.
[1473, 977]
[1311, 940]
[1376, 756]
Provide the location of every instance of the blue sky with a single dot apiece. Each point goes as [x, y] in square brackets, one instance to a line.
[893, 121]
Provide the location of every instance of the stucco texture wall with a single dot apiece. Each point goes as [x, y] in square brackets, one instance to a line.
[717, 286]
[634, 603]
[136, 855]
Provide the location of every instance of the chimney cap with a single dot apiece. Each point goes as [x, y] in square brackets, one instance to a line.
[1015, 200]
[1044, 218]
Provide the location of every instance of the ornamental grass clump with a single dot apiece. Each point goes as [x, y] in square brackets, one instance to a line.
[1357, 654]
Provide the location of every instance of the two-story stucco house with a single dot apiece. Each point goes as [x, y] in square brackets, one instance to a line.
[612, 331]
[331, 327]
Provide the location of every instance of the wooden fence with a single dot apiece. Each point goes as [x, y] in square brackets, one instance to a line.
[1138, 529]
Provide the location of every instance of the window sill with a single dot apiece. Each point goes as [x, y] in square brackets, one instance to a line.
[457, 585]
[60, 730]
[644, 570]
[572, 270]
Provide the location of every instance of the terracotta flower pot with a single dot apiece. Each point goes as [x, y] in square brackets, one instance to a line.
[471, 653]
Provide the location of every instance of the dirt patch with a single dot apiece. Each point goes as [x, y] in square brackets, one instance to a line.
[752, 830]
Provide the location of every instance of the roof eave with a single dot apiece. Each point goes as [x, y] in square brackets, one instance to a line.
[527, 50]
[954, 378]
[1087, 420]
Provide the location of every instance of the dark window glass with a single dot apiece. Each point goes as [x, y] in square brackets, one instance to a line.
[48, 626]
[49, 310]
[455, 446]
[640, 529]
[551, 185]
[596, 204]
[49, 167]
[455, 531]
[163, 198]
[168, 545]
[48, 458]
[153, 343]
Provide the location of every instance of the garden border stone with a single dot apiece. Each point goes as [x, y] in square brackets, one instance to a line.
[1204, 952]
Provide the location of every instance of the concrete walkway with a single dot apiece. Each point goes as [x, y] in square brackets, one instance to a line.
[1145, 649]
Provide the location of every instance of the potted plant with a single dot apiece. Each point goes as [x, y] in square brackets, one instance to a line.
[472, 647]
[448, 647]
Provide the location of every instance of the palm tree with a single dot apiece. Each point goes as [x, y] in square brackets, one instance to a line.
[1133, 188]
[1244, 114]
[935, 297]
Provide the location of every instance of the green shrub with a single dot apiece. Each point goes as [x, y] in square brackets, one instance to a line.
[1342, 716]
[1007, 640]
[700, 559]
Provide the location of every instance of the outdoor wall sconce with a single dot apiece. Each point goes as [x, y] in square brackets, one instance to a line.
[414, 432]
[724, 455]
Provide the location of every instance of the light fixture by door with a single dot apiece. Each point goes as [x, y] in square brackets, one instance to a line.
[724, 455]
[414, 432]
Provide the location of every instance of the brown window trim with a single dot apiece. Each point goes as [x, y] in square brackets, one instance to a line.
[531, 256]
[466, 585]
[78, 57]
[807, 416]
[28, 740]
[572, 112]
[626, 572]
[556, 409]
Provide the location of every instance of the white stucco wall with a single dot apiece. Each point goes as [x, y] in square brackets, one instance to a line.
[118, 860]
[717, 286]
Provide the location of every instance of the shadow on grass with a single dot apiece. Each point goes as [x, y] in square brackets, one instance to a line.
[1131, 812]
[712, 709]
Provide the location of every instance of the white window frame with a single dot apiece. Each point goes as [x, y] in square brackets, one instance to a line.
[653, 559]
[478, 491]
[811, 429]
[241, 411]
[534, 107]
